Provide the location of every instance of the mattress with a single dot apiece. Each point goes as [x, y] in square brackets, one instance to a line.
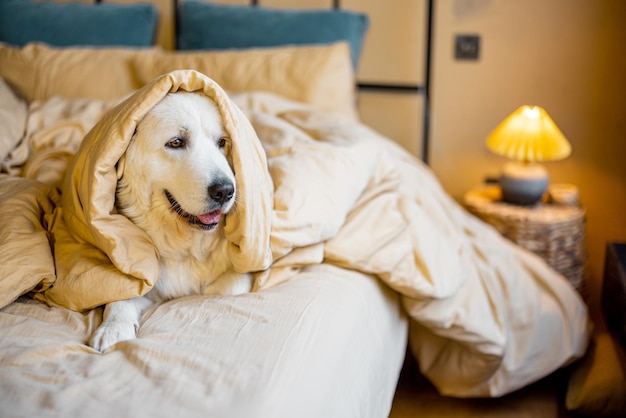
[328, 343]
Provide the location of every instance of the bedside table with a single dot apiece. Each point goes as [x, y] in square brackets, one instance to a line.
[555, 232]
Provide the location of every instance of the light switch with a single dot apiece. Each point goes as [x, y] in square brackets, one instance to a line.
[467, 47]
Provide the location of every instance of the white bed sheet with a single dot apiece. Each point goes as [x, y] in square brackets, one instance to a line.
[329, 343]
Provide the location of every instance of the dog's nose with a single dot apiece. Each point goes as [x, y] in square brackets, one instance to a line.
[221, 192]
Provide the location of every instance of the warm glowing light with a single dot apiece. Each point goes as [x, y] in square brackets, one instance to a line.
[529, 134]
[531, 112]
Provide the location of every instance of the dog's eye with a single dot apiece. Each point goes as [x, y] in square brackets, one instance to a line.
[175, 143]
[221, 142]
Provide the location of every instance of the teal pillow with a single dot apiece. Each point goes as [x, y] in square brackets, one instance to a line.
[204, 25]
[69, 24]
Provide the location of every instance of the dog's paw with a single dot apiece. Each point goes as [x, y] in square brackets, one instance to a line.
[110, 333]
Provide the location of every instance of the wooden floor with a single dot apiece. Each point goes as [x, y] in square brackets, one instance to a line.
[416, 397]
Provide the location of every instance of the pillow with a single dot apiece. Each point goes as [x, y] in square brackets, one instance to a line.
[24, 21]
[38, 72]
[204, 25]
[318, 75]
[597, 385]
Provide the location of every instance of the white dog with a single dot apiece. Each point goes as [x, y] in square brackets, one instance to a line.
[177, 185]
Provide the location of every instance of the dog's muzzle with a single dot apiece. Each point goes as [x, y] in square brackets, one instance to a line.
[219, 192]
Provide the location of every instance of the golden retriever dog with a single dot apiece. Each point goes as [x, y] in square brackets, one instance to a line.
[177, 185]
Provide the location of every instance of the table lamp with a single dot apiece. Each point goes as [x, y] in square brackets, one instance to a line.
[527, 136]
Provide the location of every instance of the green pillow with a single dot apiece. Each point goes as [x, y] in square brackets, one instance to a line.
[69, 24]
[204, 25]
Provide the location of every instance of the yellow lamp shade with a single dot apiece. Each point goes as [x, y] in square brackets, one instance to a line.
[529, 134]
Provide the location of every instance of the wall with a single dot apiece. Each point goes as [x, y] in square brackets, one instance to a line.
[568, 56]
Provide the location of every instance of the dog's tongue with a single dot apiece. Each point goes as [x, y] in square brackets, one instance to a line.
[210, 218]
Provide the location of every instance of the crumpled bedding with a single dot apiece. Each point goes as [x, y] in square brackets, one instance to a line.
[487, 317]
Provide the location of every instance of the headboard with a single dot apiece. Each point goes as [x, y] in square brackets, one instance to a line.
[392, 72]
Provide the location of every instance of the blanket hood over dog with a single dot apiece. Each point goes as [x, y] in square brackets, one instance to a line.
[100, 255]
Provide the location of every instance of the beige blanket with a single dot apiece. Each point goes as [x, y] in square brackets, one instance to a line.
[487, 316]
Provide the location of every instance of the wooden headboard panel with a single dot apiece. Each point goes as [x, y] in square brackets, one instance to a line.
[393, 76]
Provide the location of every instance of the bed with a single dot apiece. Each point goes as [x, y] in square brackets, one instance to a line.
[356, 249]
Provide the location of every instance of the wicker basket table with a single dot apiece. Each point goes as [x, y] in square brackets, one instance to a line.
[555, 232]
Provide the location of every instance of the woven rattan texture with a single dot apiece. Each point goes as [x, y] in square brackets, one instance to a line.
[554, 232]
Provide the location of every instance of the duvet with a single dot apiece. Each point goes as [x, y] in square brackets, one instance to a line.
[487, 317]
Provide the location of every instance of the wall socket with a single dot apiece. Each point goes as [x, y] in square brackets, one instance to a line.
[467, 47]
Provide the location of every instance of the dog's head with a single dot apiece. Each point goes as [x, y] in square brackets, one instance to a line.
[176, 168]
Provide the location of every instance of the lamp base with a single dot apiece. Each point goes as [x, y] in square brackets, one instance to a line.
[523, 183]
